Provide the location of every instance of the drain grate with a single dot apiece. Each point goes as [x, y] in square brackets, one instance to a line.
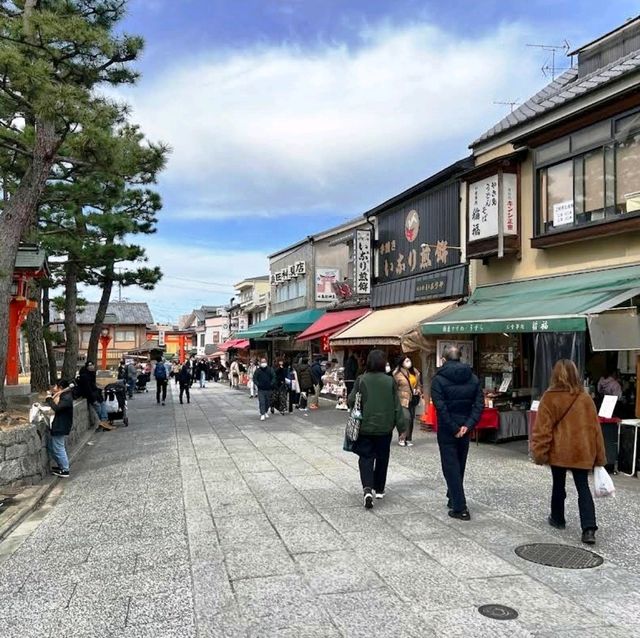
[498, 612]
[563, 556]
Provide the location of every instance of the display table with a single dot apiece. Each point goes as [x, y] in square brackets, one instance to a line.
[513, 424]
[489, 420]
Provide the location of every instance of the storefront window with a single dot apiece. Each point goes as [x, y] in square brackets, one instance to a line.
[578, 185]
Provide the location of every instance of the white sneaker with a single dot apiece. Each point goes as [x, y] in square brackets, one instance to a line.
[408, 443]
[401, 443]
[267, 415]
[380, 495]
[262, 417]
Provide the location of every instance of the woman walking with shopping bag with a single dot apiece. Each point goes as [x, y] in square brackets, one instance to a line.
[567, 436]
[381, 412]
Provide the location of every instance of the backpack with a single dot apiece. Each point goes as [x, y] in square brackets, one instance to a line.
[160, 372]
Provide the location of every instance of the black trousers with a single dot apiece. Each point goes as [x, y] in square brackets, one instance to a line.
[161, 386]
[374, 460]
[184, 387]
[453, 456]
[410, 415]
[585, 500]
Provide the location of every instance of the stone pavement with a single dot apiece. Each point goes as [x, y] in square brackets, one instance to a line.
[201, 520]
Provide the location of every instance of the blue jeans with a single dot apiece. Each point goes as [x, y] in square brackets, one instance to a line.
[264, 398]
[203, 379]
[131, 384]
[101, 410]
[58, 451]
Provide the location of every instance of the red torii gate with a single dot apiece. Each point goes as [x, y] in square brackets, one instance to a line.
[30, 264]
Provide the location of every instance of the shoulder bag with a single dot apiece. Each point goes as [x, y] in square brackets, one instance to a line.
[352, 431]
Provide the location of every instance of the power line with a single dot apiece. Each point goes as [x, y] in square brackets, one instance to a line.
[199, 281]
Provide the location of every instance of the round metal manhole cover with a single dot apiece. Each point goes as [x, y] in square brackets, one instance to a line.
[498, 612]
[563, 556]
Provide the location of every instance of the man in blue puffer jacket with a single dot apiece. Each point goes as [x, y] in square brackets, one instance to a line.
[459, 402]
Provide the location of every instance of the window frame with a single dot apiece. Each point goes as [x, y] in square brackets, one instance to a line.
[126, 331]
[542, 237]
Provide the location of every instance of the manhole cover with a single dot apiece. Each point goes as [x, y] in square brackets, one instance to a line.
[498, 612]
[563, 556]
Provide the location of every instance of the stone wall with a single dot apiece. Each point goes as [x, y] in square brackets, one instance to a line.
[23, 450]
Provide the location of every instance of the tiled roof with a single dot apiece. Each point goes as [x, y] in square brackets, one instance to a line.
[30, 258]
[124, 313]
[563, 89]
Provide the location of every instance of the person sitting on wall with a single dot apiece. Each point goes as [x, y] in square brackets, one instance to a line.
[88, 389]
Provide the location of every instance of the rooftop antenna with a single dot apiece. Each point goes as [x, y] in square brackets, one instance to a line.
[549, 67]
[511, 105]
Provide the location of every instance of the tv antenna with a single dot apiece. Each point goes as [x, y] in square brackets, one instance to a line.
[549, 67]
[511, 105]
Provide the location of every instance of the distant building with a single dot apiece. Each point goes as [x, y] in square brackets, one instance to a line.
[126, 322]
[196, 323]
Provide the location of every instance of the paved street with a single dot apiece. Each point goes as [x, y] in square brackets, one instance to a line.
[200, 520]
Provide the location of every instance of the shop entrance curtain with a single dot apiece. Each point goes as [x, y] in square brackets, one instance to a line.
[550, 347]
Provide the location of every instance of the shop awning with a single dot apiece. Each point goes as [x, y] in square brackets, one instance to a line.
[285, 324]
[332, 322]
[235, 344]
[388, 326]
[549, 304]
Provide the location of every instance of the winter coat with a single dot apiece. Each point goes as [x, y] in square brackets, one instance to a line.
[184, 375]
[234, 369]
[305, 378]
[381, 409]
[405, 389]
[87, 387]
[351, 369]
[264, 378]
[132, 373]
[574, 440]
[458, 398]
[316, 373]
[63, 414]
[281, 375]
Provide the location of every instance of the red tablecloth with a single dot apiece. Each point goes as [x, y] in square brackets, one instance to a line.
[490, 419]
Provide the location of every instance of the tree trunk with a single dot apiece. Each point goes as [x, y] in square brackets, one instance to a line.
[107, 286]
[48, 341]
[37, 355]
[70, 363]
[19, 213]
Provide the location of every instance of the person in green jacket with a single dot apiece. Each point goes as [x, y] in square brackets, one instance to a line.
[381, 413]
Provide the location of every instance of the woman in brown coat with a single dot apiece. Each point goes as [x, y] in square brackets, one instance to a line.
[409, 386]
[567, 436]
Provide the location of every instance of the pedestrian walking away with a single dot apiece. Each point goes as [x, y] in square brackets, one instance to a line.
[184, 379]
[459, 402]
[317, 374]
[305, 380]
[409, 384]
[264, 379]
[568, 437]
[381, 413]
[131, 375]
[161, 377]
[280, 394]
[201, 373]
[234, 374]
[61, 402]
[350, 372]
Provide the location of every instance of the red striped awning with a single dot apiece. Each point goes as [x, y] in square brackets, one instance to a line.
[332, 322]
[234, 344]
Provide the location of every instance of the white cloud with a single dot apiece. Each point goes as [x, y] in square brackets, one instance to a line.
[275, 130]
[191, 272]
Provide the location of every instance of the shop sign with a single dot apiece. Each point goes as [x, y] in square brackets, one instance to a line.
[297, 269]
[563, 324]
[484, 203]
[161, 337]
[363, 262]
[326, 279]
[431, 287]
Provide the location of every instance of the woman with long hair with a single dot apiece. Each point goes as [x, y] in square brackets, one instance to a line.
[381, 413]
[567, 436]
[409, 383]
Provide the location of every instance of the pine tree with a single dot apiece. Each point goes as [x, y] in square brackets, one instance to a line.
[53, 55]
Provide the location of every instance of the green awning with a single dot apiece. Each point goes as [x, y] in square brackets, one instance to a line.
[286, 324]
[549, 304]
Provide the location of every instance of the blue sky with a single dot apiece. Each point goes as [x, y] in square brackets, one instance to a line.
[289, 116]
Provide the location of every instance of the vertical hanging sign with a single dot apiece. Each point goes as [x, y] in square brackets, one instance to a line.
[362, 251]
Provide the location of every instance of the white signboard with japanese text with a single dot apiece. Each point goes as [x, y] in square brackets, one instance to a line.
[325, 280]
[563, 213]
[362, 283]
[484, 197]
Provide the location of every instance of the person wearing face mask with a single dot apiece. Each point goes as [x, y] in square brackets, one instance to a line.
[409, 385]
[264, 379]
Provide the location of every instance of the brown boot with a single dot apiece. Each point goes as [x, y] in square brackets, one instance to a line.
[105, 425]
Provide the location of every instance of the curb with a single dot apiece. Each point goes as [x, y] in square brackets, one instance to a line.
[32, 497]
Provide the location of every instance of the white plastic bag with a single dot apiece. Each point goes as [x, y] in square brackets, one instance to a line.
[602, 483]
[112, 405]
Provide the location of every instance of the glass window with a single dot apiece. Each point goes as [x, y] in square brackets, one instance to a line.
[125, 335]
[628, 174]
[558, 194]
[85, 336]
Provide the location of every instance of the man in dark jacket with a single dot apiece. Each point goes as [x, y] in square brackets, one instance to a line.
[184, 379]
[61, 402]
[459, 401]
[264, 378]
[317, 373]
[88, 388]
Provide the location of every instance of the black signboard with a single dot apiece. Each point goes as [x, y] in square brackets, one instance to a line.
[421, 235]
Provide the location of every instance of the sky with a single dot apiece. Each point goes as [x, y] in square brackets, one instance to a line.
[287, 117]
